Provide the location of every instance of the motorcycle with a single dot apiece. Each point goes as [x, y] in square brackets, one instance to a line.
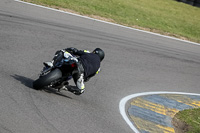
[57, 76]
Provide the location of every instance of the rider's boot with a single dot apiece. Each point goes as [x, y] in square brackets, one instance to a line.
[78, 77]
[75, 90]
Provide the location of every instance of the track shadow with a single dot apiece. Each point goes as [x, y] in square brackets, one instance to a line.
[24, 80]
[28, 83]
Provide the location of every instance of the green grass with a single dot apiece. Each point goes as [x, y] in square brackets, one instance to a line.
[192, 118]
[167, 17]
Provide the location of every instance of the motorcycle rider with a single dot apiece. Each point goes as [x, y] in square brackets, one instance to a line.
[88, 65]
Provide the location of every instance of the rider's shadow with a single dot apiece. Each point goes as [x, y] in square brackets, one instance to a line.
[24, 80]
[28, 83]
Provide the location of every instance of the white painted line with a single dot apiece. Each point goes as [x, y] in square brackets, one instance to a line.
[123, 102]
[109, 22]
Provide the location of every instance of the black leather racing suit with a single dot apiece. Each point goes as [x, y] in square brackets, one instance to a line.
[88, 65]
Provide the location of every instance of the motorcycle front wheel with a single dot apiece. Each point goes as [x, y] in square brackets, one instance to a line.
[47, 79]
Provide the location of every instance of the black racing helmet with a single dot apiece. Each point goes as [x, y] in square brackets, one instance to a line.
[100, 53]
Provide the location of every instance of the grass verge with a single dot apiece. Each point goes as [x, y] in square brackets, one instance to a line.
[191, 120]
[167, 17]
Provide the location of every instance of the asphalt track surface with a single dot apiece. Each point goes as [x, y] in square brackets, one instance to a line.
[135, 62]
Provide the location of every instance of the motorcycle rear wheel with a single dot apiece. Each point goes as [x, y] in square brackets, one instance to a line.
[47, 79]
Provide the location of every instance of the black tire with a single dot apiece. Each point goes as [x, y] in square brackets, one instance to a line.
[47, 79]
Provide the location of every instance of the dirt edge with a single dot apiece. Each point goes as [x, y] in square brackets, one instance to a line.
[180, 126]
